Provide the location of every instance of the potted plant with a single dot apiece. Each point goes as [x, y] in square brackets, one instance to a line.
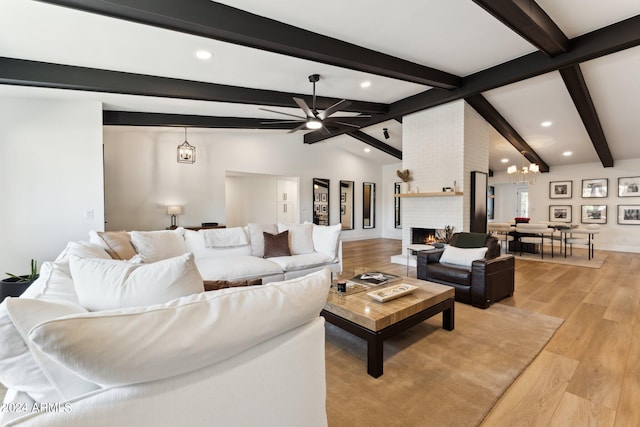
[405, 176]
[14, 286]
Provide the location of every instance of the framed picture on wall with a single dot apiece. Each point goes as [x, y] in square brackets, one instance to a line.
[594, 187]
[629, 214]
[560, 213]
[561, 189]
[594, 214]
[629, 186]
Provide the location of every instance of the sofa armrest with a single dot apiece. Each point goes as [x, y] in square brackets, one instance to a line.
[492, 280]
[427, 257]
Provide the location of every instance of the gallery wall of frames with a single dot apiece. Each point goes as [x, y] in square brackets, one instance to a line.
[590, 191]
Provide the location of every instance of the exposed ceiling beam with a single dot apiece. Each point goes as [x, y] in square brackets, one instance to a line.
[129, 118]
[376, 143]
[613, 38]
[574, 81]
[528, 19]
[43, 74]
[221, 22]
[495, 119]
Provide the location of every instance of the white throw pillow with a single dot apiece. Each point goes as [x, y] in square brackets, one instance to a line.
[462, 256]
[149, 343]
[26, 313]
[155, 246]
[300, 237]
[83, 250]
[326, 238]
[54, 283]
[225, 237]
[109, 284]
[257, 238]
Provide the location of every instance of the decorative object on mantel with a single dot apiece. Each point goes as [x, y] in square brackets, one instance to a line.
[174, 210]
[405, 176]
[524, 175]
[445, 234]
[186, 151]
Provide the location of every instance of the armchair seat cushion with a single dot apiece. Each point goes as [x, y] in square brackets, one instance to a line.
[450, 273]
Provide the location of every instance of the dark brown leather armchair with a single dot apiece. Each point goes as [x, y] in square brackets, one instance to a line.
[487, 281]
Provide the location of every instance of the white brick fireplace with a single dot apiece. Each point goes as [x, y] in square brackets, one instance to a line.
[441, 146]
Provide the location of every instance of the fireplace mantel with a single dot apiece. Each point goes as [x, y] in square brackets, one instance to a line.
[434, 194]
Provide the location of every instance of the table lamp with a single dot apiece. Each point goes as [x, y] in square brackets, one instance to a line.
[174, 210]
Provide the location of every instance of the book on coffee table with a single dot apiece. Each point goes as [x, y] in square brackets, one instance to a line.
[373, 278]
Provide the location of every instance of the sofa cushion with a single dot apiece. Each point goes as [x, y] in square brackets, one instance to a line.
[462, 256]
[236, 267]
[108, 284]
[25, 313]
[276, 244]
[300, 237]
[326, 239]
[257, 238]
[220, 325]
[449, 273]
[301, 262]
[155, 246]
[18, 368]
[117, 243]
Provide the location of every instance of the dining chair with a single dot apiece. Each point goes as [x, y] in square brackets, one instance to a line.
[501, 230]
[585, 237]
[535, 233]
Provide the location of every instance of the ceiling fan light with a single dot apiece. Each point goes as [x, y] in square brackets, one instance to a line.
[314, 124]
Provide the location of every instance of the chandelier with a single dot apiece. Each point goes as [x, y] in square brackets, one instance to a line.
[186, 151]
[524, 175]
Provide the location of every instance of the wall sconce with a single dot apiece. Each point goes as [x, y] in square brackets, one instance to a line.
[186, 151]
[173, 211]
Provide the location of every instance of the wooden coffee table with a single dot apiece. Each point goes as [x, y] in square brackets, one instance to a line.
[374, 321]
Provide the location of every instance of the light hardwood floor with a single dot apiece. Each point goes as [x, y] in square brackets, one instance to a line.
[589, 372]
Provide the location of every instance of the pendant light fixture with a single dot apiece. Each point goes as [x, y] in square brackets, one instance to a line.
[186, 151]
[524, 175]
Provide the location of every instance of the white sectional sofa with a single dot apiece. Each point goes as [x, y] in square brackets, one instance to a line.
[97, 341]
[236, 254]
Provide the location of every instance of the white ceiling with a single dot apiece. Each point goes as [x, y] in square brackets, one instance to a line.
[454, 36]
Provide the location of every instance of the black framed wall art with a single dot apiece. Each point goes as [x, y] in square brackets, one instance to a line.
[593, 214]
[629, 214]
[594, 188]
[629, 186]
[561, 189]
[560, 213]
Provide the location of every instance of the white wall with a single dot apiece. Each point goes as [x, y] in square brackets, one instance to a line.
[141, 174]
[612, 236]
[50, 178]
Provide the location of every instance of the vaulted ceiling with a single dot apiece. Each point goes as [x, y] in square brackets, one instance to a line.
[518, 63]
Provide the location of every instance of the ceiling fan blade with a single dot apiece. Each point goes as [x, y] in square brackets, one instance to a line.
[280, 112]
[323, 130]
[303, 104]
[334, 108]
[345, 124]
[302, 126]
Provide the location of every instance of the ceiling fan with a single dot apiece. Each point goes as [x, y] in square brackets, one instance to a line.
[314, 119]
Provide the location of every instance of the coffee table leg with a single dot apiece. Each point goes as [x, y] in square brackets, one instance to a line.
[375, 356]
[448, 318]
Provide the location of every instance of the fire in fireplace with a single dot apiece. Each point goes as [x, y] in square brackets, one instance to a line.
[423, 235]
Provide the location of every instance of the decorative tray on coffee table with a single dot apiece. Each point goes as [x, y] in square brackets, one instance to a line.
[392, 292]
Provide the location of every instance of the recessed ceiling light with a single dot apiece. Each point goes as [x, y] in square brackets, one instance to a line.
[545, 124]
[365, 84]
[367, 150]
[504, 160]
[203, 54]
[567, 153]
